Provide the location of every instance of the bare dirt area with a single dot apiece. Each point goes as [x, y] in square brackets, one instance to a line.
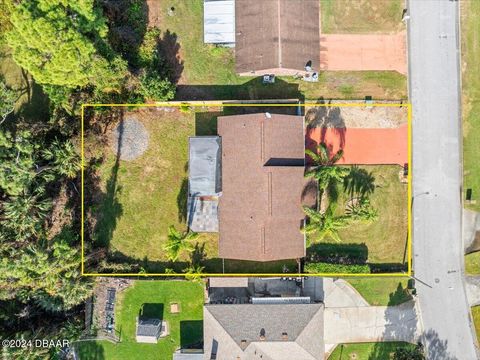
[356, 116]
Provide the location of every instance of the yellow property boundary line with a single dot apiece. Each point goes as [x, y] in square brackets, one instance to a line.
[230, 104]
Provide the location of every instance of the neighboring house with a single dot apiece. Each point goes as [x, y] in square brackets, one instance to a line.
[283, 37]
[255, 318]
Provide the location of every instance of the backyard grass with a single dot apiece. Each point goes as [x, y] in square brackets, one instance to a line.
[476, 319]
[385, 238]
[382, 291]
[472, 263]
[367, 351]
[209, 71]
[470, 13]
[151, 190]
[186, 327]
[361, 16]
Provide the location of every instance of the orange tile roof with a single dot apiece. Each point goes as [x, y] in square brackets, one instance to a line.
[363, 146]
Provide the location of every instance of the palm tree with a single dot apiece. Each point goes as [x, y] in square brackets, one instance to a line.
[362, 211]
[24, 215]
[325, 170]
[359, 182]
[64, 159]
[178, 242]
[194, 272]
[325, 224]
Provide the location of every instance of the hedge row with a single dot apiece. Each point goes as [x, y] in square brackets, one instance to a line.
[325, 268]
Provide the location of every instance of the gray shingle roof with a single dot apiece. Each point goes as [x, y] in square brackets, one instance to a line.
[149, 327]
[245, 321]
[295, 325]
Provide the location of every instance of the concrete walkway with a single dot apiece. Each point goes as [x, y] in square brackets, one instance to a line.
[471, 231]
[473, 290]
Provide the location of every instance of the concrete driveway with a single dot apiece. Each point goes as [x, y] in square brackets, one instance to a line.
[372, 323]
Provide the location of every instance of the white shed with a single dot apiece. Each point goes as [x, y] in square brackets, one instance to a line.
[219, 22]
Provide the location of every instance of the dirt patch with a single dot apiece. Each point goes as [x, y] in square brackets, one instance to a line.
[154, 13]
[356, 117]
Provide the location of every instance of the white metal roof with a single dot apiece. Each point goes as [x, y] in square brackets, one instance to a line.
[219, 21]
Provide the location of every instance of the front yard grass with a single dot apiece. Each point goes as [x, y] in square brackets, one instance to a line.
[470, 13]
[385, 239]
[367, 351]
[476, 319]
[186, 327]
[382, 291]
[364, 16]
[472, 263]
[209, 71]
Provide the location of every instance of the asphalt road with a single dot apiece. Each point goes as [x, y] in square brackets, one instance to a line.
[437, 208]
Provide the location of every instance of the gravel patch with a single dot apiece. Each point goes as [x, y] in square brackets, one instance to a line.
[129, 139]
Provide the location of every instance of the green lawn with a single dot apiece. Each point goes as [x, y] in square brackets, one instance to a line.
[150, 191]
[472, 263]
[471, 99]
[382, 291]
[366, 351]
[384, 239]
[209, 71]
[361, 16]
[186, 328]
[476, 319]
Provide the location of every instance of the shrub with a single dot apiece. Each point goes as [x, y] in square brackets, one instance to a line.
[154, 87]
[325, 268]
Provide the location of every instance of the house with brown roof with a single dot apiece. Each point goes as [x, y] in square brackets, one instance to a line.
[260, 210]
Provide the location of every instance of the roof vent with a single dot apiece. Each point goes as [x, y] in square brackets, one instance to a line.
[268, 115]
[262, 334]
[243, 344]
[284, 336]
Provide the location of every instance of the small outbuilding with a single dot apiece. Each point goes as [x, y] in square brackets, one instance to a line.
[150, 330]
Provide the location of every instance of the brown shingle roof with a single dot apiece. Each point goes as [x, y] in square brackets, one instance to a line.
[260, 213]
[276, 34]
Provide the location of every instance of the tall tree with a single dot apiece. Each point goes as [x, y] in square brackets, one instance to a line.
[62, 42]
[47, 273]
[324, 169]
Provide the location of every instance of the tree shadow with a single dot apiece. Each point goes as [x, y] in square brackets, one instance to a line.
[206, 123]
[191, 334]
[111, 209]
[169, 49]
[89, 350]
[127, 21]
[252, 89]
[359, 182]
[182, 198]
[151, 311]
[401, 320]
[198, 255]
